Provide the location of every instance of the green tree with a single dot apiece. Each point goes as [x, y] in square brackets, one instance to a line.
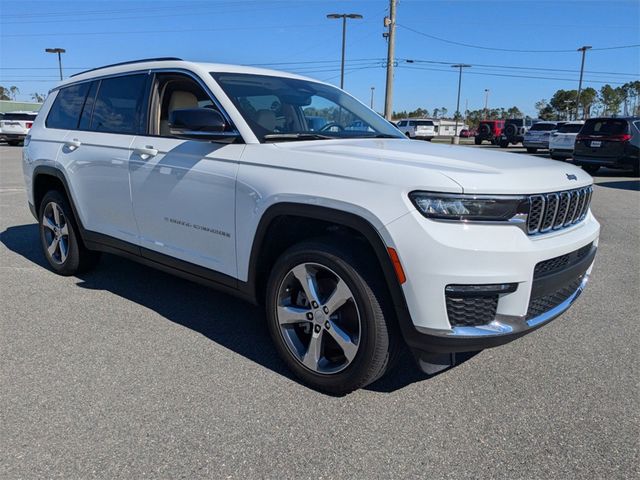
[563, 103]
[611, 99]
[38, 97]
[545, 111]
[13, 91]
[588, 98]
[9, 93]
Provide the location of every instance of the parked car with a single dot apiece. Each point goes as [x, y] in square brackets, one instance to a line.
[353, 240]
[489, 130]
[562, 141]
[609, 142]
[16, 125]
[468, 133]
[417, 129]
[538, 136]
[514, 131]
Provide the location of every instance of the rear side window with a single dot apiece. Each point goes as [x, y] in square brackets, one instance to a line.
[604, 126]
[118, 106]
[66, 108]
[87, 110]
[403, 123]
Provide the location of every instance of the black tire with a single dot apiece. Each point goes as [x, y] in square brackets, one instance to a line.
[555, 157]
[378, 335]
[13, 143]
[408, 134]
[591, 169]
[531, 150]
[78, 258]
[636, 171]
[504, 143]
[478, 141]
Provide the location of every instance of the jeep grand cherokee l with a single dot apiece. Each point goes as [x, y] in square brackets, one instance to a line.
[353, 240]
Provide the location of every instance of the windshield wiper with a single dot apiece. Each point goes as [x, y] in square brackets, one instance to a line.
[283, 137]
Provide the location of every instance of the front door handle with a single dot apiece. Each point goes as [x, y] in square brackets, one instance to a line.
[72, 144]
[146, 152]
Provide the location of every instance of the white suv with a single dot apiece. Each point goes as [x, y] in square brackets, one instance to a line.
[416, 128]
[16, 125]
[353, 239]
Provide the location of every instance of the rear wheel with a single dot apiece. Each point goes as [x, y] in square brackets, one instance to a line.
[61, 244]
[325, 315]
[531, 150]
[504, 143]
[591, 169]
[478, 141]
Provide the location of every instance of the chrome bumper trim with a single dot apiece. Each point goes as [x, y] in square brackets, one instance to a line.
[509, 324]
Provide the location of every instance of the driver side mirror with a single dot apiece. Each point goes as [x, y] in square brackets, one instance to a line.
[199, 124]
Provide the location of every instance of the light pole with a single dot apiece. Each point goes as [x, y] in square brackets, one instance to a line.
[486, 103]
[344, 17]
[584, 51]
[58, 51]
[372, 90]
[460, 66]
[390, 35]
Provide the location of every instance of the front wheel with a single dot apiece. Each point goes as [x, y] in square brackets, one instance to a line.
[61, 244]
[504, 143]
[325, 315]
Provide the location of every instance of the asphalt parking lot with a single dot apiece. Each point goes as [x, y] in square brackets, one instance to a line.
[127, 372]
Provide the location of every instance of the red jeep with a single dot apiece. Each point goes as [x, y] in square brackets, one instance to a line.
[489, 130]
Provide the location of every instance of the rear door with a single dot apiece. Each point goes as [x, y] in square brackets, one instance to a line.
[601, 138]
[96, 154]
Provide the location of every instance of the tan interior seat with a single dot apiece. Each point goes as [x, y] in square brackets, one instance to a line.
[179, 100]
[266, 119]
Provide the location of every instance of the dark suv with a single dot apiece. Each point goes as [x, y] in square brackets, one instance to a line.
[609, 142]
[514, 130]
[489, 130]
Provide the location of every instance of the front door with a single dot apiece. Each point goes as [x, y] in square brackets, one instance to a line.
[184, 190]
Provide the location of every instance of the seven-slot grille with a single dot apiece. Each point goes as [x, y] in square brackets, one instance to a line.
[553, 211]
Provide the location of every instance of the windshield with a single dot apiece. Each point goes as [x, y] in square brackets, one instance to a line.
[19, 116]
[280, 108]
[604, 126]
[423, 123]
[570, 128]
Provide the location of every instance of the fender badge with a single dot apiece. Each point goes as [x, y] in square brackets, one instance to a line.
[571, 176]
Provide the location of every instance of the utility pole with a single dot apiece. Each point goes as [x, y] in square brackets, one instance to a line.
[456, 137]
[486, 104]
[390, 23]
[584, 51]
[58, 51]
[372, 90]
[344, 17]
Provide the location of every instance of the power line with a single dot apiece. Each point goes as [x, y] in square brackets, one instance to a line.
[493, 74]
[496, 49]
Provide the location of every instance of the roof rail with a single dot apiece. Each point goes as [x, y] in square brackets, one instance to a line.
[158, 59]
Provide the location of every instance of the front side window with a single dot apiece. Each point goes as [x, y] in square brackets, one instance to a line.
[280, 108]
[174, 91]
[118, 105]
[66, 108]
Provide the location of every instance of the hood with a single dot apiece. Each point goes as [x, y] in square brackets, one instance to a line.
[476, 170]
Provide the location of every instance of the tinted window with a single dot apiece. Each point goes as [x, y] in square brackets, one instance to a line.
[570, 128]
[118, 105]
[87, 110]
[604, 126]
[544, 127]
[427, 123]
[19, 116]
[403, 123]
[66, 108]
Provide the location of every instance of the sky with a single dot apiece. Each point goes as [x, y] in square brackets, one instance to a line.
[295, 35]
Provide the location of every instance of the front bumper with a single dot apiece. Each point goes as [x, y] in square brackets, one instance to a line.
[476, 254]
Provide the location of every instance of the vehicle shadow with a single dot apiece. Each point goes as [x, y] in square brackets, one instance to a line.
[222, 318]
[633, 185]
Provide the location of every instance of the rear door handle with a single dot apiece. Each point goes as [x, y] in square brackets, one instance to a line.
[72, 144]
[146, 152]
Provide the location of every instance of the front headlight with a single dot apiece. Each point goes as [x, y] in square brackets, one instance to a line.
[461, 207]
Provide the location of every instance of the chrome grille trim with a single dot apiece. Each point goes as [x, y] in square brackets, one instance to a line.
[556, 210]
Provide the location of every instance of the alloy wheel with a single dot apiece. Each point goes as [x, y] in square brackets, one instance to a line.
[56, 233]
[318, 318]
